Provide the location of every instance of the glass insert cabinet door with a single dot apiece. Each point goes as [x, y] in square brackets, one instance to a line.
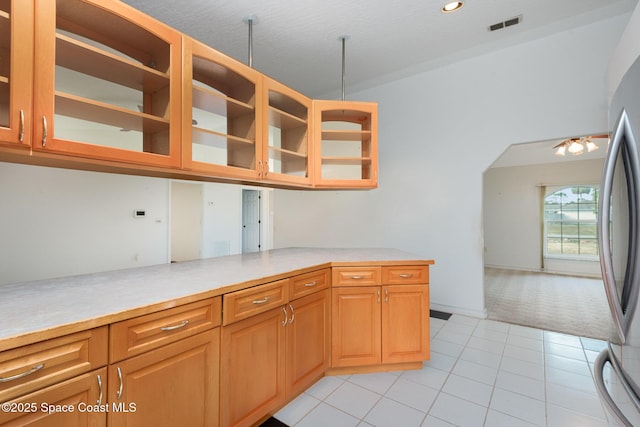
[286, 155]
[16, 72]
[108, 82]
[220, 118]
[346, 144]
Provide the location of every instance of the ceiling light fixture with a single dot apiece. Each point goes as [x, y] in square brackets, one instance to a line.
[452, 6]
[576, 146]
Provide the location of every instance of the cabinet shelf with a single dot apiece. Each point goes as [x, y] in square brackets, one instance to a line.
[346, 161]
[220, 104]
[81, 57]
[215, 139]
[284, 120]
[223, 79]
[346, 135]
[286, 155]
[100, 112]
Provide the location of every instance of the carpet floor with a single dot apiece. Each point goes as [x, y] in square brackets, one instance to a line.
[567, 304]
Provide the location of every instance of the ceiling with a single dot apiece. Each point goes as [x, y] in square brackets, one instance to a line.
[297, 41]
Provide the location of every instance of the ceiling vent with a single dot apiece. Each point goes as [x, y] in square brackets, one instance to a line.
[504, 24]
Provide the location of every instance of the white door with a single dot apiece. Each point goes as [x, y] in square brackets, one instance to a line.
[186, 221]
[251, 220]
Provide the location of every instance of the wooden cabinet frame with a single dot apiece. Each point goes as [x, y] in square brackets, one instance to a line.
[148, 62]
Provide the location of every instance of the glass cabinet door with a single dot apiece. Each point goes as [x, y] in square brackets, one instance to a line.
[346, 144]
[16, 72]
[286, 154]
[108, 82]
[221, 131]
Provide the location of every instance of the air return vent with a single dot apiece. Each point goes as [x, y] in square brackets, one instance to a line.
[504, 24]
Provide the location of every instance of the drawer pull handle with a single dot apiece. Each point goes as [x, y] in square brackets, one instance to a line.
[293, 315]
[21, 129]
[386, 295]
[260, 301]
[378, 296]
[22, 374]
[174, 327]
[284, 311]
[357, 277]
[406, 275]
[44, 131]
[99, 401]
[119, 392]
[310, 284]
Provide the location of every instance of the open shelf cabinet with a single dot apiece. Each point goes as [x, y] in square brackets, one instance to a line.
[108, 82]
[221, 132]
[286, 153]
[346, 150]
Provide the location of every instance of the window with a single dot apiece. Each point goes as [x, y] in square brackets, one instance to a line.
[570, 217]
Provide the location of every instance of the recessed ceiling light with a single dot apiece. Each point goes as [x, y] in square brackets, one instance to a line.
[452, 6]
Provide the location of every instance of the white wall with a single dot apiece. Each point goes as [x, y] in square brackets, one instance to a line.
[438, 132]
[512, 213]
[626, 52]
[57, 222]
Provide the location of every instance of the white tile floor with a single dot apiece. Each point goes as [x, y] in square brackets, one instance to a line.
[481, 373]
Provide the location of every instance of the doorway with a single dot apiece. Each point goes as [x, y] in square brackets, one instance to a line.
[251, 220]
[186, 221]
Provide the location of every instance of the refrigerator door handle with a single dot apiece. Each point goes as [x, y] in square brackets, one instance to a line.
[622, 141]
[598, 373]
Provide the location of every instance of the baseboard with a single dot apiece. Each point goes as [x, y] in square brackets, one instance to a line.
[480, 314]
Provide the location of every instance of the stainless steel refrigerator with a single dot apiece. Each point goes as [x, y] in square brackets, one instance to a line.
[617, 368]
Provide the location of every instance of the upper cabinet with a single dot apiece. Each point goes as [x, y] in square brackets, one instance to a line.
[285, 153]
[16, 72]
[221, 125]
[346, 144]
[98, 85]
[107, 83]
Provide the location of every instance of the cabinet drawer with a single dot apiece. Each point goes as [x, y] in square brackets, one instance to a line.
[309, 283]
[258, 299]
[34, 366]
[405, 275]
[144, 333]
[356, 276]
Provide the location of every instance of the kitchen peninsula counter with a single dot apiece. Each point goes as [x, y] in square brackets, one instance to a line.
[33, 311]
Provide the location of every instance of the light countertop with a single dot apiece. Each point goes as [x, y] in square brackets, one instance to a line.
[96, 299]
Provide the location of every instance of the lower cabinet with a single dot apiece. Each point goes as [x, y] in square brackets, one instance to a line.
[356, 322]
[252, 368]
[80, 401]
[308, 341]
[174, 385]
[270, 357]
[374, 325]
